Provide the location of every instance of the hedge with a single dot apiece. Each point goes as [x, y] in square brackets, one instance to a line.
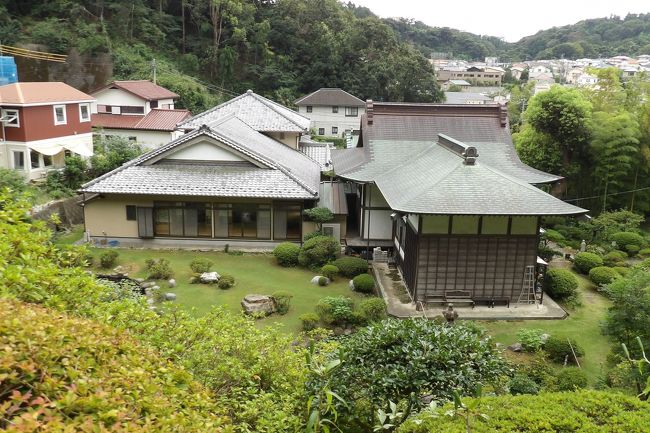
[561, 284]
[585, 261]
[624, 239]
[286, 254]
[602, 275]
[351, 266]
[79, 374]
[615, 258]
[581, 411]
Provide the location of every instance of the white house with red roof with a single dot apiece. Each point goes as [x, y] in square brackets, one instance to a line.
[41, 123]
[138, 110]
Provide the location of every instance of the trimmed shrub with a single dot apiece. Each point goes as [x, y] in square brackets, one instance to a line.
[531, 339]
[632, 250]
[335, 310]
[364, 283]
[318, 251]
[200, 265]
[614, 258]
[329, 271]
[558, 349]
[311, 235]
[282, 302]
[351, 266]
[561, 284]
[159, 269]
[571, 378]
[585, 261]
[286, 254]
[644, 252]
[621, 270]
[309, 321]
[108, 258]
[521, 384]
[554, 236]
[602, 275]
[373, 309]
[226, 281]
[626, 239]
[322, 281]
[547, 253]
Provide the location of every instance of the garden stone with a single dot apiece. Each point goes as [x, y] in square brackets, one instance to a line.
[150, 301]
[170, 296]
[253, 304]
[171, 283]
[544, 338]
[139, 280]
[155, 288]
[147, 284]
[318, 277]
[351, 284]
[121, 271]
[209, 277]
[517, 347]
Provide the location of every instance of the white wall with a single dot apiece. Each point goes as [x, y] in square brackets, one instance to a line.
[116, 97]
[322, 117]
[204, 151]
[379, 220]
[291, 139]
[147, 139]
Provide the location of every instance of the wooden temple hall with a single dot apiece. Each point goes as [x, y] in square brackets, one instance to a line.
[444, 185]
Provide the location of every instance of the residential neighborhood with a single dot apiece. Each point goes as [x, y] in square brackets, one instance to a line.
[316, 216]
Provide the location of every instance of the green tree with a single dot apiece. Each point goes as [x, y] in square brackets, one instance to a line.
[110, 153]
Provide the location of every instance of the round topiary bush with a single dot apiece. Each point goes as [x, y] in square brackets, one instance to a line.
[282, 302]
[335, 310]
[373, 309]
[108, 258]
[614, 258]
[364, 283]
[571, 378]
[286, 254]
[585, 261]
[521, 384]
[200, 265]
[602, 275]
[621, 270]
[309, 321]
[329, 271]
[322, 281]
[226, 281]
[318, 251]
[561, 284]
[554, 236]
[632, 250]
[644, 253]
[351, 266]
[558, 349]
[627, 239]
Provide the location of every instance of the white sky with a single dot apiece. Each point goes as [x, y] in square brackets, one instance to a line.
[509, 19]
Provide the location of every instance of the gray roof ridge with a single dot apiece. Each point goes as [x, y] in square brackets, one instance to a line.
[276, 107]
[216, 107]
[297, 101]
[296, 179]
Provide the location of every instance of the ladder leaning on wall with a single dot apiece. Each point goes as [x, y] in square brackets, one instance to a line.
[528, 295]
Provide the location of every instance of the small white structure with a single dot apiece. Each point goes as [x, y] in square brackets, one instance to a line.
[332, 112]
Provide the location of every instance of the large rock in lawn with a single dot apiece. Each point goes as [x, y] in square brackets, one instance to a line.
[209, 277]
[256, 304]
[516, 347]
[316, 280]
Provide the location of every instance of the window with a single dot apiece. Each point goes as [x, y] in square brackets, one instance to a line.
[34, 159]
[153, 104]
[131, 109]
[335, 130]
[19, 160]
[287, 222]
[47, 161]
[351, 111]
[133, 138]
[104, 108]
[130, 212]
[60, 115]
[309, 108]
[321, 131]
[335, 109]
[11, 118]
[84, 112]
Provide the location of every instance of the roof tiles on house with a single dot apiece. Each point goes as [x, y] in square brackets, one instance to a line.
[330, 97]
[41, 93]
[155, 120]
[256, 111]
[144, 89]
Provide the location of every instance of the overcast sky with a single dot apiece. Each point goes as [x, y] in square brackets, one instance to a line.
[509, 19]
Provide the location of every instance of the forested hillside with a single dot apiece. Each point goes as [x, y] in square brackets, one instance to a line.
[281, 49]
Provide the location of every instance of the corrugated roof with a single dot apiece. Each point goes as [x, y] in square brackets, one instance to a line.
[256, 111]
[331, 97]
[144, 89]
[155, 120]
[276, 171]
[41, 93]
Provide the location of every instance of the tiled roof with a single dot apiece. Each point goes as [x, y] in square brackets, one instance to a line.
[41, 93]
[144, 89]
[275, 170]
[256, 111]
[465, 97]
[155, 120]
[330, 96]
[319, 152]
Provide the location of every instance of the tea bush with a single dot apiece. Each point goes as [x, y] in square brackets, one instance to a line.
[335, 310]
[309, 321]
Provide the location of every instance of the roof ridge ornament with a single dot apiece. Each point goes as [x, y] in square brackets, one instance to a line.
[470, 154]
[205, 128]
[369, 111]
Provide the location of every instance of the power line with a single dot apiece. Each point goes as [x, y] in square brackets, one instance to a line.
[614, 193]
[31, 54]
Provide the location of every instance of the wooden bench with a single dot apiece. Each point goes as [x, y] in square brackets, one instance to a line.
[490, 301]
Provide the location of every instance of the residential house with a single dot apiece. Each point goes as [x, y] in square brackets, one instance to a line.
[466, 98]
[486, 76]
[517, 71]
[138, 110]
[443, 187]
[587, 80]
[236, 177]
[573, 74]
[538, 69]
[461, 84]
[42, 122]
[332, 112]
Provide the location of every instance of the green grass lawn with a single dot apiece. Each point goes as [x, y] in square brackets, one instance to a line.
[68, 238]
[583, 325]
[254, 273]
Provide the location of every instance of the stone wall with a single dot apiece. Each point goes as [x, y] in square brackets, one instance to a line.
[69, 210]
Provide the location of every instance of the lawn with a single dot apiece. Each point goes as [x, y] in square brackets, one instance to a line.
[583, 325]
[70, 237]
[254, 273]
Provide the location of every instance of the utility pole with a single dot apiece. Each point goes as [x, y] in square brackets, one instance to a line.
[153, 67]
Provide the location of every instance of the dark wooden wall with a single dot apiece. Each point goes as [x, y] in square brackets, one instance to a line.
[408, 265]
[482, 265]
